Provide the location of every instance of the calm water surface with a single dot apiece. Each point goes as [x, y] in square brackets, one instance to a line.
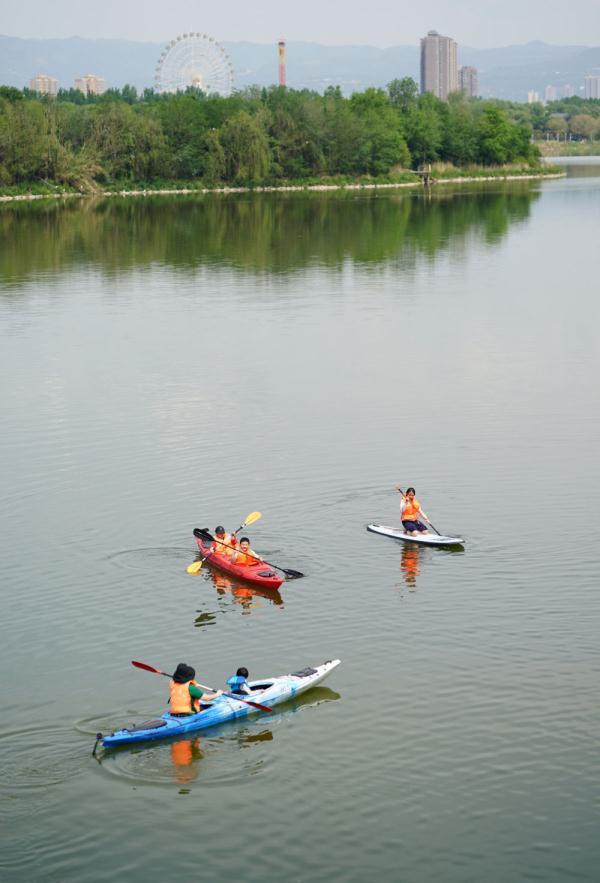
[174, 363]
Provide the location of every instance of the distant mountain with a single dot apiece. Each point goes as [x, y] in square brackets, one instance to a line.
[118, 61]
[507, 72]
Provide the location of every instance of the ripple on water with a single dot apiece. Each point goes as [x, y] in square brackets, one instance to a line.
[146, 557]
[36, 757]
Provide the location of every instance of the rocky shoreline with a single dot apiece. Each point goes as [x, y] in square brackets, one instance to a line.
[188, 191]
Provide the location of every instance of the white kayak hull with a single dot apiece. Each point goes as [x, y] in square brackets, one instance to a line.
[430, 539]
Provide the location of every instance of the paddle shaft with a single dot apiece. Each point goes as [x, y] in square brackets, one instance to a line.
[157, 671]
[250, 519]
[400, 491]
[207, 536]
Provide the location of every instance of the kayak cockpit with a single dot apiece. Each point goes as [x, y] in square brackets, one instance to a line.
[258, 686]
[146, 725]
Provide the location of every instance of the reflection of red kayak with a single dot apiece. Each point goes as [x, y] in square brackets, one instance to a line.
[242, 592]
[258, 574]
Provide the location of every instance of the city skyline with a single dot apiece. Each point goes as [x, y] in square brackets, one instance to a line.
[508, 73]
[386, 23]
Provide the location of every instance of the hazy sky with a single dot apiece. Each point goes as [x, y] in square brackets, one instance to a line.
[480, 23]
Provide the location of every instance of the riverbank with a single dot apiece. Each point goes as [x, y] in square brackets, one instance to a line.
[445, 175]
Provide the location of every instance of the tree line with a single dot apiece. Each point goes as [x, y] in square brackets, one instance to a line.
[575, 117]
[256, 136]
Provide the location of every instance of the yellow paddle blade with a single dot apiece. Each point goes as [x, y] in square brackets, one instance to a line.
[195, 566]
[250, 519]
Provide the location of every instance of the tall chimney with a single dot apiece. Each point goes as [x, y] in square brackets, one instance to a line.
[281, 45]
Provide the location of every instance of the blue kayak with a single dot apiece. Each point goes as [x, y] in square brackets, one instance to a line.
[269, 691]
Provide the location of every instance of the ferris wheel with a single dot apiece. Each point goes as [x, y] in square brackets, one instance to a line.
[194, 60]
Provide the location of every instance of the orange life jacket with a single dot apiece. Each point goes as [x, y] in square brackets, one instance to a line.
[180, 701]
[246, 558]
[220, 548]
[411, 510]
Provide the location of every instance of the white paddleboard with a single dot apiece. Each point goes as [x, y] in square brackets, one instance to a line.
[430, 539]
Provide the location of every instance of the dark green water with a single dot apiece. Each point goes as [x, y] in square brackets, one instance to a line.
[173, 363]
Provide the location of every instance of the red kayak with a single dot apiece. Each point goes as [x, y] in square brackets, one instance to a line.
[258, 574]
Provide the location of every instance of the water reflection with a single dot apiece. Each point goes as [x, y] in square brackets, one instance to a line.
[183, 754]
[413, 559]
[579, 166]
[236, 593]
[185, 232]
[410, 563]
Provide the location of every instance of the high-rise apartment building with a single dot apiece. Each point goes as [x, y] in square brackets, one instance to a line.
[90, 84]
[467, 81]
[44, 84]
[591, 86]
[549, 94]
[439, 72]
[567, 91]
[533, 97]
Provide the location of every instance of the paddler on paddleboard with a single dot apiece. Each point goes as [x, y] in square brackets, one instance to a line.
[411, 512]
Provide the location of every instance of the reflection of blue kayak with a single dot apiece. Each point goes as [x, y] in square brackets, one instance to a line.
[430, 539]
[269, 691]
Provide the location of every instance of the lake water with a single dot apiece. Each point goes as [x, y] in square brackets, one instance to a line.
[174, 363]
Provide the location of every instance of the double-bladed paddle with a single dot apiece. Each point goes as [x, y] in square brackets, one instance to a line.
[157, 671]
[196, 566]
[289, 573]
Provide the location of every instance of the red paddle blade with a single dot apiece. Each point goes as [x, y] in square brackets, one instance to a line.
[143, 665]
[255, 704]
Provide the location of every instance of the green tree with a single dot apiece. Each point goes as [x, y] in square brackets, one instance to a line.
[494, 137]
[10, 93]
[25, 141]
[383, 144]
[424, 134]
[403, 93]
[213, 158]
[130, 144]
[459, 141]
[557, 126]
[246, 147]
[584, 125]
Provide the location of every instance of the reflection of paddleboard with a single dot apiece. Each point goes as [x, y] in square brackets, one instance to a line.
[431, 539]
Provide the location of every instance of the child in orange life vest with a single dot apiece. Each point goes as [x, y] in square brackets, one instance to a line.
[222, 541]
[410, 509]
[185, 694]
[245, 555]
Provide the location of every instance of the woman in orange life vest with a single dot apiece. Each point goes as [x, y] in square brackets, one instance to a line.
[222, 541]
[410, 510]
[245, 555]
[185, 694]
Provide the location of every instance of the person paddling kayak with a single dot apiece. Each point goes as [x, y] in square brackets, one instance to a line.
[410, 510]
[245, 555]
[185, 694]
[222, 541]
